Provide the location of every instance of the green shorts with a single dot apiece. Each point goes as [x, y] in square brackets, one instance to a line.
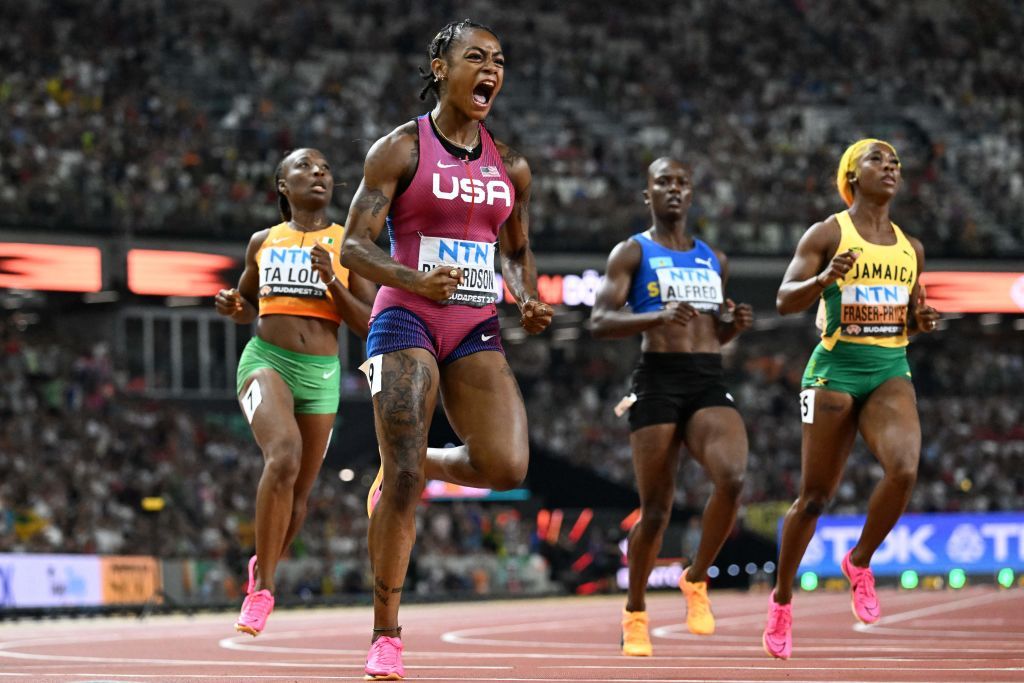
[314, 380]
[854, 369]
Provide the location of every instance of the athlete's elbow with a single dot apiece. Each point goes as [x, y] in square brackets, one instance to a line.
[784, 305]
[598, 330]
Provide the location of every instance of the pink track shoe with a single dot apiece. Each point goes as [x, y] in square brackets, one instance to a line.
[778, 633]
[374, 495]
[863, 598]
[384, 660]
[251, 585]
[255, 610]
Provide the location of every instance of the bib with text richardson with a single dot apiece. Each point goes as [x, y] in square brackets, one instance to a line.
[474, 259]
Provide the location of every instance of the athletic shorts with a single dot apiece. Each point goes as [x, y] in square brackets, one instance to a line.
[854, 369]
[314, 381]
[671, 387]
[397, 328]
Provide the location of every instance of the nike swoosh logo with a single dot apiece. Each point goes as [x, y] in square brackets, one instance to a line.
[440, 165]
[328, 375]
[486, 337]
[277, 240]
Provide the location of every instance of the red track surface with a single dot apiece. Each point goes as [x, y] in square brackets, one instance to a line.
[975, 634]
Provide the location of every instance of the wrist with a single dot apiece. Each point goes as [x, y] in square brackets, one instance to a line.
[334, 276]
[817, 281]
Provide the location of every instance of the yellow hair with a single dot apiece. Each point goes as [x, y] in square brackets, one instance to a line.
[849, 161]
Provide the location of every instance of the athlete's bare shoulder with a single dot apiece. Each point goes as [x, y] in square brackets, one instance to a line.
[397, 153]
[823, 235]
[259, 237]
[515, 163]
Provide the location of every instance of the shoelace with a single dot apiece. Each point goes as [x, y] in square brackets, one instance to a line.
[259, 605]
[386, 653]
[780, 618]
[864, 586]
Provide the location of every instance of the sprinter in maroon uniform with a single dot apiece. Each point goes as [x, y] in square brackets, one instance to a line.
[451, 196]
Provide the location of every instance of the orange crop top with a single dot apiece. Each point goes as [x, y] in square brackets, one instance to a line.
[289, 284]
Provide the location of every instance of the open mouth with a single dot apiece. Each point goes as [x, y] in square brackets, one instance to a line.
[483, 92]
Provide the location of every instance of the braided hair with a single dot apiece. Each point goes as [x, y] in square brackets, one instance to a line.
[441, 45]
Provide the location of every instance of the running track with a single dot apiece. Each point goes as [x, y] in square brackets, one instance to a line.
[976, 634]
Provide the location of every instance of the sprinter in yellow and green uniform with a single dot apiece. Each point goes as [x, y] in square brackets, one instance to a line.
[863, 270]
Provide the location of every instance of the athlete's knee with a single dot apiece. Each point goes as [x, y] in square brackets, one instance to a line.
[730, 484]
[406, 486]
[902, 474]
[655, 516]
[508, 476]
[813, 504]
[282, 460]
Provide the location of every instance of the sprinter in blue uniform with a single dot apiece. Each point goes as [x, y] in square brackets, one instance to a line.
[674, 286]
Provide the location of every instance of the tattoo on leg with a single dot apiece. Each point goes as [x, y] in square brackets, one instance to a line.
[383, 592]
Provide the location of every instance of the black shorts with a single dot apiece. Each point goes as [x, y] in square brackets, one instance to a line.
[671, 387]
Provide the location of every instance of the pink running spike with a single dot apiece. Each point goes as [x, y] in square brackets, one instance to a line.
[778, 633]
[255, 609]
[375, 492]
[863, 598]
[384, 661]
[251, 585]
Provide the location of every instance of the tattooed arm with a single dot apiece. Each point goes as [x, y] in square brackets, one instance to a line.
[390, 164]
[517, 265]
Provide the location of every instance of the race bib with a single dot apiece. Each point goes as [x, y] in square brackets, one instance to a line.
[288, 271]
[699, 287]
[874, 310]
[474, 259]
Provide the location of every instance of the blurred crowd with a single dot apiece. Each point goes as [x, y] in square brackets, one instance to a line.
[150, 117]
[967, 378]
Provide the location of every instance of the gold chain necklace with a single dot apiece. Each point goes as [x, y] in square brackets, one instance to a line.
[468, 148]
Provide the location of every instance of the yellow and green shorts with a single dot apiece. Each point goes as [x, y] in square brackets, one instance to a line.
[854, 369]
[314, 381]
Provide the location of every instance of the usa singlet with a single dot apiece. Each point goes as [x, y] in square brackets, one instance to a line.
[289, 284]
[665, 275]
[869, 305]
[449, 216]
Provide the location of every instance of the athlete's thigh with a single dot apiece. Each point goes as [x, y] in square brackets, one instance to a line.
[890, 425]
[717, 439]
[656, 451]
[267, 403]
[829, 428]
[482, 400]
[404, 387]
[315, 429]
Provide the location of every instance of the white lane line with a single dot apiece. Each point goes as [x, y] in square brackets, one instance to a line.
[947, 606]
[789, 667]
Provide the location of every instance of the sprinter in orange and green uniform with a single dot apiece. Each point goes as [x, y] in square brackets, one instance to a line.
[864, 271]
[288, 379]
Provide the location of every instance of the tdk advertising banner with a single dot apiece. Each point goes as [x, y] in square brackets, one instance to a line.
[926, 543]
